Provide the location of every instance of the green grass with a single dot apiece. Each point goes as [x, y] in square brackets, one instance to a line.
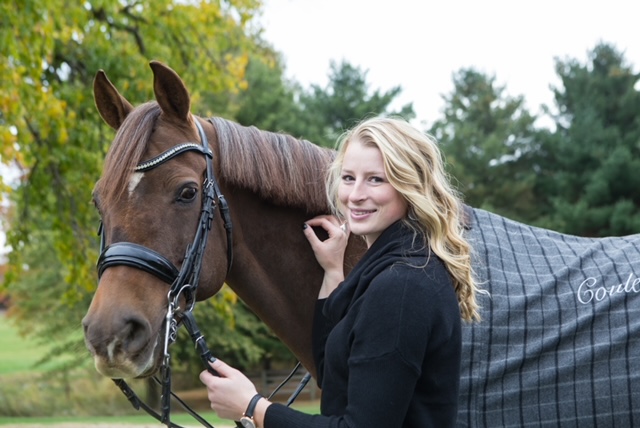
[17, 354]
[142, 418]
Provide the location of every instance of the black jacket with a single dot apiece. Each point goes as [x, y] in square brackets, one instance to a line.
[386, 343]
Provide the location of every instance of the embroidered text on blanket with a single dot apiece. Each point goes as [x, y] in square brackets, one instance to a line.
[589, 291]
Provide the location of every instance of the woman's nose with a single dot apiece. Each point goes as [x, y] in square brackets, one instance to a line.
[358, 192]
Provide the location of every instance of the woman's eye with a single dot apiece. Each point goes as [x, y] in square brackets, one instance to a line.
[377, 179]
[188, 194]
[347, 178]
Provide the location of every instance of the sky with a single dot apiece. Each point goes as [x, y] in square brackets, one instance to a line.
[419, 44]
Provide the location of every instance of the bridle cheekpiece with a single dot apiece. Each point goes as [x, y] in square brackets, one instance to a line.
[183, 281]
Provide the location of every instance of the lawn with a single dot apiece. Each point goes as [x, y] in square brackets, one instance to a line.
[142, 419]
[178, 418]
[17, 354]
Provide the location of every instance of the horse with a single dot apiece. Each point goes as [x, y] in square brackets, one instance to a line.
[560, 330]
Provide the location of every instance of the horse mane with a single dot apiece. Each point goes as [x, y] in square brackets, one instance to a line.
[126, 151]
[277, 167]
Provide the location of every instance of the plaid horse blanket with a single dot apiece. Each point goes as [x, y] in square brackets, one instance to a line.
[559, 342]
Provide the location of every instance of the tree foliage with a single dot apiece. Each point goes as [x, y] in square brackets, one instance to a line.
[592, 158]
[269, 103]
[347, 99]
[488, 139]
[51, 131]
[318, 114]
[577, 177]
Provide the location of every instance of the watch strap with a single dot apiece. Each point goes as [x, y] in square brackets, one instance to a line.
[252, 406]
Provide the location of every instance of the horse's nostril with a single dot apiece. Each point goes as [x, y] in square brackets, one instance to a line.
[112, 339]
[135, 334]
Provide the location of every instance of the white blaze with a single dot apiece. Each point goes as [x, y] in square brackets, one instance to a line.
[135, 179]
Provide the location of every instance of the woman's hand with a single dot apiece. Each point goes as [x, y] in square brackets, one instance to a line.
[330, 252]
[230, 393]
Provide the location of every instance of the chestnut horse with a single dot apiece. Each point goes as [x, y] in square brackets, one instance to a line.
[560, 336]
[272, 183]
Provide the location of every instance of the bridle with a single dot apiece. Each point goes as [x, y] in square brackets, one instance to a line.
[184, 282]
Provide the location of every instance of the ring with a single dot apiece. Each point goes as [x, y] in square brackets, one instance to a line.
[343, 227]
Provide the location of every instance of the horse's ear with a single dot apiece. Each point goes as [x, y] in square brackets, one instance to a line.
[112, 106]
[171, 94]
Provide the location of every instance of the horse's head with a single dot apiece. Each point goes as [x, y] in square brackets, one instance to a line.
[151, 213]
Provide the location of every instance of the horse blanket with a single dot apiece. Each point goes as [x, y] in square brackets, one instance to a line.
[559, 342]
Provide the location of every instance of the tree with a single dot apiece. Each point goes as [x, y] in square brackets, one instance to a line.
[592, 158]
[328, 112]
[269, 103]
[51, 50]
[319, 114]
[488, 139]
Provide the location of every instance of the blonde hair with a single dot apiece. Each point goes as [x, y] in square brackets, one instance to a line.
[414, 166]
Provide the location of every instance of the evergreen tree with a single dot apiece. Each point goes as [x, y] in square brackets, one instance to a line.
[488, 139]
[319, 114]
[347, 99]
[593, 156]
[269, 103]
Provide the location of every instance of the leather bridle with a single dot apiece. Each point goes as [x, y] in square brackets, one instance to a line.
[138, 256]
[183, 281]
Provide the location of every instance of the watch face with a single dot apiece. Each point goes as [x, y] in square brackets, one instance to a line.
[247, 422]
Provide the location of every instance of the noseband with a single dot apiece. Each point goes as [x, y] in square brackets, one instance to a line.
[183, 281]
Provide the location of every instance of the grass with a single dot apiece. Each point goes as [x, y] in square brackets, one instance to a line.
[142, 418]
[31, 395]
[17, 354]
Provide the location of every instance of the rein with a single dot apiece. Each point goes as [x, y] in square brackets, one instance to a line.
[184, 281]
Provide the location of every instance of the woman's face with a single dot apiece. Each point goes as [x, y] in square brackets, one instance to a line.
[369, 202]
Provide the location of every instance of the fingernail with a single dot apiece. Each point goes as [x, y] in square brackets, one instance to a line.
[304, 226]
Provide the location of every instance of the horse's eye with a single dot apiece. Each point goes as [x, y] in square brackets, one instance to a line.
[96, 203]
[188, 194]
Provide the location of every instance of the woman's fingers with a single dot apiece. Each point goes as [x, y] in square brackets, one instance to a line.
[228, 393]
[327, 222]
[330, 224]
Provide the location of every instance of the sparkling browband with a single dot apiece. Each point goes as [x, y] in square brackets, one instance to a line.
[152, 163]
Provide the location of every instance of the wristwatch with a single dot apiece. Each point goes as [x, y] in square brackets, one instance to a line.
[247, 418]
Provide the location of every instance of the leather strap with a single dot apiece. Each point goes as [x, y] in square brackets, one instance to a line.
[137, 256]
[252, 406]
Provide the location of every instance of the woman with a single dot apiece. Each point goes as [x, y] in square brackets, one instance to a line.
[387, 338]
